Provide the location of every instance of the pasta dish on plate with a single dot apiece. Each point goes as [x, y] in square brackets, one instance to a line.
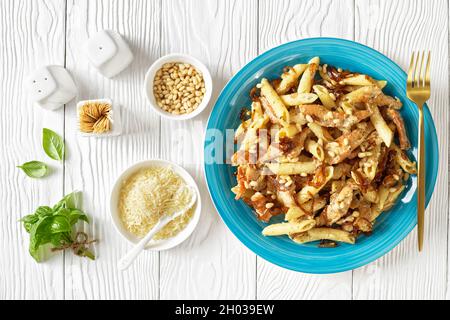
[326, 148]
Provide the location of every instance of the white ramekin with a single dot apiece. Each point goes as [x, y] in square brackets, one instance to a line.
[183, 58]
[160, 244]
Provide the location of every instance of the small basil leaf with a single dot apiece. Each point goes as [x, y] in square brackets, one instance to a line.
[76, 215]
[73, 215]
[71, 201]
[63, 212]
[34, 169]
[44, 211]
[60, 224]
[29, 221]
[39, 236]
[53, 144]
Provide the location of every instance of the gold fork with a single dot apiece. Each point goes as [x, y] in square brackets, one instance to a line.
[418, 91]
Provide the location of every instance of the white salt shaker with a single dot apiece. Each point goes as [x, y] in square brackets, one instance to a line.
[51, 87]
[108, 53]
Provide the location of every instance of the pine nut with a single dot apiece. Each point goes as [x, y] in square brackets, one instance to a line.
[178, 88]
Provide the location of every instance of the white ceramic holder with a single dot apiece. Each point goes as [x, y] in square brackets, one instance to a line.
[51, 87]
[108, 53]
[116, 119]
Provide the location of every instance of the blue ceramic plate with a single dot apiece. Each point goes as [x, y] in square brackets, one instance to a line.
[391, 228]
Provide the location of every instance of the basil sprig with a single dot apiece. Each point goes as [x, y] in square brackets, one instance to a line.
[52, 228]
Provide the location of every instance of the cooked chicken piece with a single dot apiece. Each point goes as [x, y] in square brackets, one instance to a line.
[322, 116]
[363, 225]
[269, 110]
[240, 189]
[264, 206]
[395, 116]
[299, 143]
[373, 95]
[341, 149]
[339, 204]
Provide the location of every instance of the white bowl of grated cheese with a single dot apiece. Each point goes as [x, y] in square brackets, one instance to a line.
[146, 191]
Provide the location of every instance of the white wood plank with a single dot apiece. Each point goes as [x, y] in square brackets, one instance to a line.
[288, 20]
[396, 28]
[212, 264]
[94, 164]
[280, 22]
[32, 34]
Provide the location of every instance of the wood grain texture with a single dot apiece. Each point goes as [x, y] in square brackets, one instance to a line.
[222, 34]
[397, 28]
[32, 34]
[284, 21]
[94, 164]
[302, 19]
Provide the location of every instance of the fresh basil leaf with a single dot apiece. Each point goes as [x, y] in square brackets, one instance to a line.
[61, 239]
[53, 144]
[39, 236]
[63, 212]
[71, 201]
[76, 215]
[59, 224]
[44, 211]
[29, 221]
[73, 215]
[34, 169]
[36, 252]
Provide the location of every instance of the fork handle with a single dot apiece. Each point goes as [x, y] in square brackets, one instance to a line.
[421, 181]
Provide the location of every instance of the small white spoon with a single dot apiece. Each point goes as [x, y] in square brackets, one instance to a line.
[128, 259]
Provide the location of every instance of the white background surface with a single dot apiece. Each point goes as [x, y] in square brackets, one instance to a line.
[225, 35]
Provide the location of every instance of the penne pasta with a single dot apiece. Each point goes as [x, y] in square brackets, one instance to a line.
[382, 84]
[317, 234]
[289, 132]
[315, 149]
[306, 209]
[359, 80]
[394, 193]
[274, 102]
[325, 97]
[292, 168]
[279, 229]
[290, 78]
[320, 180]
[295, 99]
[380, 125]
[370, 163]
[322, 153]
[307, 79]
[320, 132]
[294, 213]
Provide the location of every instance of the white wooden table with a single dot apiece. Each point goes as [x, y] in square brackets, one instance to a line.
[225, 34]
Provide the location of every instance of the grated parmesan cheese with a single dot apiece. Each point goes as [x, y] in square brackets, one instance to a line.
[150, 194]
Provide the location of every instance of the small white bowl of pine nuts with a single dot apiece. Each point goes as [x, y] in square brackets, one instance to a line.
[178, 86]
